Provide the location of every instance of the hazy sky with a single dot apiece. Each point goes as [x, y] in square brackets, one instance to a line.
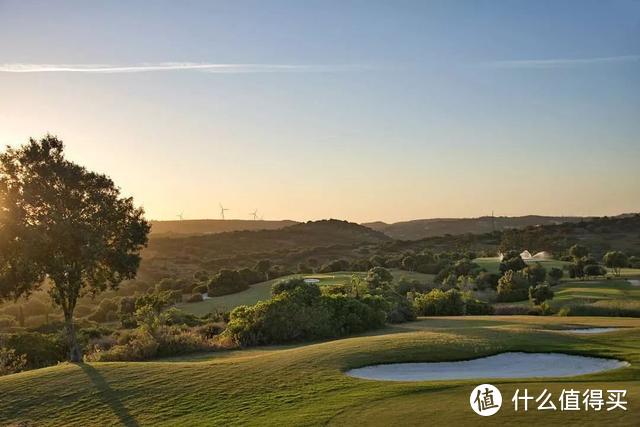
[361, 110]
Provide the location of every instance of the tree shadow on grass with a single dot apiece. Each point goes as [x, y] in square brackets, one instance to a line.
[108, 396]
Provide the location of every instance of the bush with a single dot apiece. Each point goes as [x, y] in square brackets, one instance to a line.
[540, 294]
[535, 273]
[512, 261]
[211, 329]
[486, 280]
[174, 341]
[477, 307]
[40, 349]
[298, 311]
[140, 345]
[439, 303]
[555, 274]
[400, 310]
[11, 362]
[175, 316]
[512, 287]
[226, 282]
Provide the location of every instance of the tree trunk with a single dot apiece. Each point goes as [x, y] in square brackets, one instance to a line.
[75, 355]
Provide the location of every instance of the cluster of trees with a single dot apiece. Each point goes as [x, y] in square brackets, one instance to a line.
[586, 266]
[521, 281]
[231, 281]
[449, 303]
[301, 311]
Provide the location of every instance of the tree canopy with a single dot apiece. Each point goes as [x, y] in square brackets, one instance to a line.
[61, 222]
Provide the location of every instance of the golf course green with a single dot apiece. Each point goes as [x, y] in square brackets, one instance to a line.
[306, 384]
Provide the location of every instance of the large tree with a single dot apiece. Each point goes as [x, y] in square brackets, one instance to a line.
[61, 223]
[616, 260]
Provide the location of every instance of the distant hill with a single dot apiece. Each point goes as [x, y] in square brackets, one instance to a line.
[599, 235]
[212, 226]
[171, 254]
[422, 228]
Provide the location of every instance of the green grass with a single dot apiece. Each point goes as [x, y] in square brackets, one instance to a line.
[262, 291]
[305, 384]
[590, 291]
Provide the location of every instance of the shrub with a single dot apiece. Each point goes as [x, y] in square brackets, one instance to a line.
[404, 286]
[555, 274]
[594, 270]
[211, 329]
[400, 309]
[486, 280]
[477, 307]
[140, 345]
[11, 362]
[440, 303]
[298, 311]
[174, 341]
[512, 287]
[540, 294]
[40, 349]
[175, 316]
[535, 273]
[511, 261]
[226, 282]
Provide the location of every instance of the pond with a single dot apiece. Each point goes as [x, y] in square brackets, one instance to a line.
[505, 365]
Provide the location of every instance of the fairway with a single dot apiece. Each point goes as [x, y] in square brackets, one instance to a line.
[262, 291]
[306, 384]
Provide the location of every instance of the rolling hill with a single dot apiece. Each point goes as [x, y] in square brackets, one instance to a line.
[422, 228]
[177, 255]
[213, 226]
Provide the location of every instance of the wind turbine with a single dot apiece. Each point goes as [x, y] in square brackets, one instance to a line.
[180, 216]
[222, 209]
[254, 214]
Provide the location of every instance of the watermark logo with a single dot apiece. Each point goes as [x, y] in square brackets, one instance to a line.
[485, 400]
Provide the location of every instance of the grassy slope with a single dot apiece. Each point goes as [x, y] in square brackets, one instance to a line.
[305, 385]
[262, 291]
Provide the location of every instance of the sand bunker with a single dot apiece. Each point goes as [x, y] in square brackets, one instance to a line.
[588, 330]
[634, 282]
[311, 280]
[505, 365]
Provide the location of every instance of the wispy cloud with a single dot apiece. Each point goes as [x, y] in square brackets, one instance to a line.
[561, 62]
[172, 66]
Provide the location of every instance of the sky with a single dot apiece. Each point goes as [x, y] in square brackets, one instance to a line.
[358, 110]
